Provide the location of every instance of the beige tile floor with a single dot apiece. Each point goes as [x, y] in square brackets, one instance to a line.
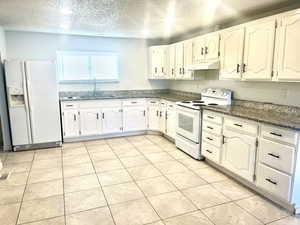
[126, 181]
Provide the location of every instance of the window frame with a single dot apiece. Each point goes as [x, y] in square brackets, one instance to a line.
[59, 59]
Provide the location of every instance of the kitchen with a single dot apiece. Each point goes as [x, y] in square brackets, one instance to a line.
[178, 118]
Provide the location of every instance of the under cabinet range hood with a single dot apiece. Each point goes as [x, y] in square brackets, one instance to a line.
[212, 65]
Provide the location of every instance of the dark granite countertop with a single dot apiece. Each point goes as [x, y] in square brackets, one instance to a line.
[165, 96]
[270, 115]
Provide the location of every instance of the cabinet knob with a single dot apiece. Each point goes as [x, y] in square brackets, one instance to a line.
[238, 68]
[202, 51]
[206, 50]
[244, 68]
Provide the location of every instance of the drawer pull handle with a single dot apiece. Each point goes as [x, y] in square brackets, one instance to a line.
[238, 125]
[210, 127]
[97, 115]
[69, 105]
[152, 102]
[275, 134]
[210, 117]
[210, 152]
[157, 113]
[270, 181]
[133, 102]
[209, 138]
[273, 155]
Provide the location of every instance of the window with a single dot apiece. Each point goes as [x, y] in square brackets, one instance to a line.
[87, 66]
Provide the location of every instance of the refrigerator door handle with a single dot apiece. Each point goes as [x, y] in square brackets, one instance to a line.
[26, 101]
[27, 94]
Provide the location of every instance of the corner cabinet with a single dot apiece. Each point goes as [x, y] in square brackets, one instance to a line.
[288, 68]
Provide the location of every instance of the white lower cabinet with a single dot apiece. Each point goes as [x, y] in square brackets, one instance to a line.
[70, 121]
[90, 122]
[162, 117]
[239, 152]
[111, 120]
[171, 121]
[134, 118]
[153, 117]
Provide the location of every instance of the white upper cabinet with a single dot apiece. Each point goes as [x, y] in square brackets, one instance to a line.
[70, 123]
[111, 120]
[172, 61]
[134, 118]
[206, 48]
[179, 67]
[289, 47]
[232, 49]
[188, 60]
[259, 50]
[198, 50]
[158, 59]
[212, 47]
[90, 122]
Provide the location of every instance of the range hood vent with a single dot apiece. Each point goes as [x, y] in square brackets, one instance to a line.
[205, 66]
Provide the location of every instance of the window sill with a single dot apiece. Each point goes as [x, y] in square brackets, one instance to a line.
[87, 81]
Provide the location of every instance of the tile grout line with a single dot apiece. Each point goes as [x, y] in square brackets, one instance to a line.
[108, 206]
[134, 181]
[63, 181]
[28, 176]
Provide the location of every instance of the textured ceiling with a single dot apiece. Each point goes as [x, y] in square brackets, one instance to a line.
[123, 18]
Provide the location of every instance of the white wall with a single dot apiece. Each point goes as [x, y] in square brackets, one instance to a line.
[2, 43]
[278, 93]
[133, 53]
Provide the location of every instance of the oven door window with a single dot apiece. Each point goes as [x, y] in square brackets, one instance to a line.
[186, 123]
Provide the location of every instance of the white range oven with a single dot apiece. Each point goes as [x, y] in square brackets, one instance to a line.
[189, 119]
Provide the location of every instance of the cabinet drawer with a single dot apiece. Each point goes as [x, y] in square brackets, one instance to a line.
[240, 125]
[276, 155]
[69, 105]
[212, 139]
[153, 102]
[212, 127]
[279, 134]
[134, 102]
[88, 104]
[212, 117]
[274, 181]
[211, 152]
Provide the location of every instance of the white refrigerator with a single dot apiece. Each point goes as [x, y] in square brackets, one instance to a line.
[33, 103]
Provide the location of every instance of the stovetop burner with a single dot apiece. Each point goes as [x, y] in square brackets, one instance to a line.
[198, 101]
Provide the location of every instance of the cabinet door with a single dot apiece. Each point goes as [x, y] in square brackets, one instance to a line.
[239, 153]
[188, 60]
[198, 50]
[179, 60]
[162, 119]
[90, 122]
[134, 118]
[70, 123]
[289, 48]
[172, 61]
[171, 123]
[153, 61]
[232, 48]
[212, 45]
[259, 38]
[154, 118]
[111, 120]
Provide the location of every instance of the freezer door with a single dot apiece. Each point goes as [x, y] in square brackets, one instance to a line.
[17, 102]
[43, 101]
